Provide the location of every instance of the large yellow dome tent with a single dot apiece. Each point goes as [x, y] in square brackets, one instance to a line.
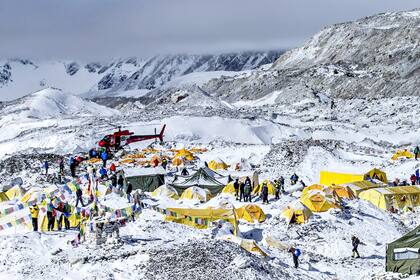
[166, 191]
[317, 200]
[196, 193]
[250, 213]
[218, 164]
[297, 213]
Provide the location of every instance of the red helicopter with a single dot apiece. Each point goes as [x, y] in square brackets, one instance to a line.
[124, 137]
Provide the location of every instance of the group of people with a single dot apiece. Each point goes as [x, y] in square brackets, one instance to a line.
[243, 190]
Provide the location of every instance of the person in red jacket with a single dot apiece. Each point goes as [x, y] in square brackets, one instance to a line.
[413, 179]
[112, 168]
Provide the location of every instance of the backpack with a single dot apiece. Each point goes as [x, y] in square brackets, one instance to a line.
[297, 252]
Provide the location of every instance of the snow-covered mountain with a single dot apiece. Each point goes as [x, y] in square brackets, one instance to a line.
[374, 57]
[19, 77]
[52, 103]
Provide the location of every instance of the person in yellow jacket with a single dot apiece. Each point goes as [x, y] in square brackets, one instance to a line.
[34, 213]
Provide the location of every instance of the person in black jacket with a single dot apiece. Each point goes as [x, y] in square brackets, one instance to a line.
[120, 182]
[236, 187]
[79, 195]
[264, 193]
[129, 190]
[241, 191]
[355, 243]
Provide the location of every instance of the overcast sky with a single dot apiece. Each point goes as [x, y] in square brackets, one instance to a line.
[100, 29]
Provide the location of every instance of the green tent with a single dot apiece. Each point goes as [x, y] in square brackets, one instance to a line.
[146, 179]
[204, 178]
[403, 255]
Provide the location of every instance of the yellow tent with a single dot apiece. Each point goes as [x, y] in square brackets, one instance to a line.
[127, 161]
[248, 244]
[270, 185]
[342, 191]
[198, 150]
[229, 188]
[201, 218]
[218, 164]
[185, 154]
[166, 191]
[334, 178]
[393, 197]
[402, 153]
[196, 193]
[250, 213]
[318, 201]
[329, 178]
[15, 192]
[94, 160]
[307, 189]
[376, 174]
[177, 161]
[135, 156]
[297, 213]
[3, 197]
[357, 187]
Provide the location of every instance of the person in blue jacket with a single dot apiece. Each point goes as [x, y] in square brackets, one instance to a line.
[103, 172]
[46, 167]
[104, 157]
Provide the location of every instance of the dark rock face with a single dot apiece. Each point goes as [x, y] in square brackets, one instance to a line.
[72, 68]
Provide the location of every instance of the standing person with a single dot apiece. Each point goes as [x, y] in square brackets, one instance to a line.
[264, 193]
[413, 179]
[104, 157]
[295, 253]
[416, 152]
[247, 191]
[277, 189]
[45, 165]
[79, 197]
[241, 191]
[164, 163]
[120, 182]
[355, 243]
[281, 182]
[50, 216]
[112, 168]
[113, 181]
[61, 165]
[34, 214]
[103, 172]
[236, 187]
[129, 190]
[72, 166]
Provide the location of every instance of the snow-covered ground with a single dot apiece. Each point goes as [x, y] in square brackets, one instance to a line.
[304, 138]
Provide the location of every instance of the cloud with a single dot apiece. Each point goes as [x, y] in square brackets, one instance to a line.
[100, 29]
